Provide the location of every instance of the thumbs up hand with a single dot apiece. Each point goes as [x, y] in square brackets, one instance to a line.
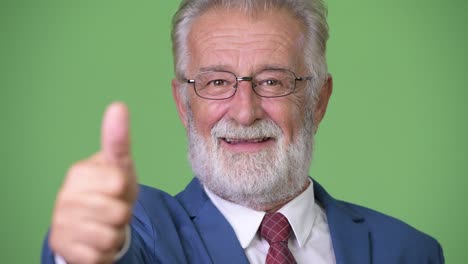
[95, 202]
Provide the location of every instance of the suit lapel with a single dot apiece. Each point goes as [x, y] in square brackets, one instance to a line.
[217, 234]
[348, 229]
[349, 232]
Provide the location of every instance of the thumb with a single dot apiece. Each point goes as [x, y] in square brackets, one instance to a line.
[115, 133]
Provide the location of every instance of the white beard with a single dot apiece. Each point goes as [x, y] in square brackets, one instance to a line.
[256, 180]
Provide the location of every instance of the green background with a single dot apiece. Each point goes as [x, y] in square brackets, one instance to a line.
[393, 139]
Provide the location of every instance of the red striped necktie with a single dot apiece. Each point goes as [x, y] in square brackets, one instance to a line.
[275, 229]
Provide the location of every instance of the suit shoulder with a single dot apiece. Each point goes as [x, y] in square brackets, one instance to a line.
[388, 233]
[154, 204]
[155, 201]
[149, 193]
[385, 224]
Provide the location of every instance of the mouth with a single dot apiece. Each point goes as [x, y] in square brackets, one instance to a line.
[246, 144]
[234, 141]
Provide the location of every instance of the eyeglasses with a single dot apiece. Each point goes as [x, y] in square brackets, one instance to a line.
[220, 85]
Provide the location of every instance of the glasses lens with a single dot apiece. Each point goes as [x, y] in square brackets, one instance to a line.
[215, 84]
[274, 83]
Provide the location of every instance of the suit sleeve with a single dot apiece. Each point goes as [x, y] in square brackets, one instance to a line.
[440, 254]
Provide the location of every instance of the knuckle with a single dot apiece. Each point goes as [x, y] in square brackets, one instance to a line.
[92, 256]
[58, 222]
[76, 169]
[62, 218]
[85, 254]
[121, 214]
[75, 174]
[54, 241]
[111, 241]
[117, 184]
[67, 204]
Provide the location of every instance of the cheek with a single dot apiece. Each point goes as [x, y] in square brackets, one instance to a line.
[287, 115]
[206, 114]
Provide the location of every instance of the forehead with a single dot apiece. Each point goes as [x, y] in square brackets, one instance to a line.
[235, 41]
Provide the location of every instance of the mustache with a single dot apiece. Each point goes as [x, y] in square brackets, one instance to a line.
[263, 128]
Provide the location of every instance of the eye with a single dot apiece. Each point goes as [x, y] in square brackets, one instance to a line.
[270, 82]
[218, 82]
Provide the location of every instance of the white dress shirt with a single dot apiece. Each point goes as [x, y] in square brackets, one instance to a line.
[310, 241]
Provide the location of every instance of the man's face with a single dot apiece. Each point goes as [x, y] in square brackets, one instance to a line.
[231, 41]
[247, 147]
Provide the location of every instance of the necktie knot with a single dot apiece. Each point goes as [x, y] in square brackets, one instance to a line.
[275, 228]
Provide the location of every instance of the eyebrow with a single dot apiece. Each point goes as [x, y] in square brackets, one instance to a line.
[228, 68]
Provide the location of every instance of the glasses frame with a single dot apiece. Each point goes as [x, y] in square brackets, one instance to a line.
[249, 78]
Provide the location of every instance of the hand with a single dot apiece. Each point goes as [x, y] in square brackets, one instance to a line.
[95, 202]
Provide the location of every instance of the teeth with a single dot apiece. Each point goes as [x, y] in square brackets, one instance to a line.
[253, 140]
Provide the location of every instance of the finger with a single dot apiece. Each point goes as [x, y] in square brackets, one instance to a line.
[95, 208]
[109, 180]
[69, 244]
[85, 242]
[115, 137]
[81, 253]
[106, 239]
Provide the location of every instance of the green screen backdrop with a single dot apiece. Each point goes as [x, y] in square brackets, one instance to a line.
[394, 137]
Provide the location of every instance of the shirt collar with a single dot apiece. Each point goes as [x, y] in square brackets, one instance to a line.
[301, 214]
[245, 221]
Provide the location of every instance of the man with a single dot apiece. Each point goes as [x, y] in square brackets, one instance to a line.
[251, 88]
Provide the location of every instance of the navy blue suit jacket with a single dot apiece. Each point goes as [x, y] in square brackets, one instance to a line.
[188, 228]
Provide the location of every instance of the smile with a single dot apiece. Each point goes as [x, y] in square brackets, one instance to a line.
[240, 141]
[246, 145]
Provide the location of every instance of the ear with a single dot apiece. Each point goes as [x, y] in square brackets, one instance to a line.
[179, 101]
[322, 102]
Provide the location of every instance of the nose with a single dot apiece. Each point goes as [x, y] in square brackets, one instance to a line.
[245, 106]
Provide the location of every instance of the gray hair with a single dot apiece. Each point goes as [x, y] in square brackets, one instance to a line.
[312, 13]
